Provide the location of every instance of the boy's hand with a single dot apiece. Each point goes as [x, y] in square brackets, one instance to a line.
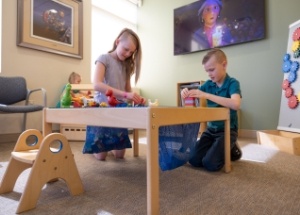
[184, 93]
[191, 93]
[197, 93]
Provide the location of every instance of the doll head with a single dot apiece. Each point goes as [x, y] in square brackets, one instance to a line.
[209, 11]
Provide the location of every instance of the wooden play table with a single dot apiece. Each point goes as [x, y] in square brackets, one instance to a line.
[149, 118]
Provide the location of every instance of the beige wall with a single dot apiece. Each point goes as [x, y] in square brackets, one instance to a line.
[41, 69]
[257, 65]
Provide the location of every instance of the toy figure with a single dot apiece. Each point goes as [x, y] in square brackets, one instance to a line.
[112, 100]
[153, 104]
[66, 99]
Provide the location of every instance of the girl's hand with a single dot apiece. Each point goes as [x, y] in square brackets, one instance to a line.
[135, 97]
[143, 101]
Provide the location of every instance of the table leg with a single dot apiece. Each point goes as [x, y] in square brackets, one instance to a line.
[47, 127]
[152, 171]
[227, 146]
[135, 142]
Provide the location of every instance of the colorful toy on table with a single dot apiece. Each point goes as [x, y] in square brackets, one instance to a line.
[66, 99]
[103, 104]
[153, 104]
[190, 102]
[73, 98]
[83, 99]
[141, 104]
[111, 99]
[89, 102]
[77, 102]
[114, 102]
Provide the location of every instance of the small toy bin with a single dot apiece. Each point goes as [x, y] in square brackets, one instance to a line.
[282, 140]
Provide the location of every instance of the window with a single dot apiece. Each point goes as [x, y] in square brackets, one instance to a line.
[107, 22]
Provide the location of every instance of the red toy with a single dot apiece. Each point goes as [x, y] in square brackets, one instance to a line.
[111, 99]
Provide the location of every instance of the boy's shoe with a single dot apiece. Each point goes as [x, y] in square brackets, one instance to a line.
[236, 152]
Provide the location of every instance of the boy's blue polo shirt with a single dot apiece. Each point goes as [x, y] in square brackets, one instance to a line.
[229, 87]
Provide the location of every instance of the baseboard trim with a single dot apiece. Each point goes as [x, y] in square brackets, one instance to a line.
[4, 138]
[245, 133]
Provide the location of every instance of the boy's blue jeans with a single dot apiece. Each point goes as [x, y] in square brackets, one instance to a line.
[209, 150]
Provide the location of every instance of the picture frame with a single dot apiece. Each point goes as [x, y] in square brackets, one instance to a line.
[54, 26]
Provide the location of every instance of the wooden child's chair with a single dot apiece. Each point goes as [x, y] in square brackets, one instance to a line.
[46, 162]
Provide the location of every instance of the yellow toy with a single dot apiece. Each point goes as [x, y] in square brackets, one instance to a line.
[153, 104]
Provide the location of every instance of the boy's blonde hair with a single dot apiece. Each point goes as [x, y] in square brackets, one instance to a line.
[133, 63]
[218, 53]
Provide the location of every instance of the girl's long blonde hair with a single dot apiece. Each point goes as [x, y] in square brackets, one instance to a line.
[133, 63]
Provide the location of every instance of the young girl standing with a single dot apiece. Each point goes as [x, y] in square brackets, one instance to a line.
[113, 72]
